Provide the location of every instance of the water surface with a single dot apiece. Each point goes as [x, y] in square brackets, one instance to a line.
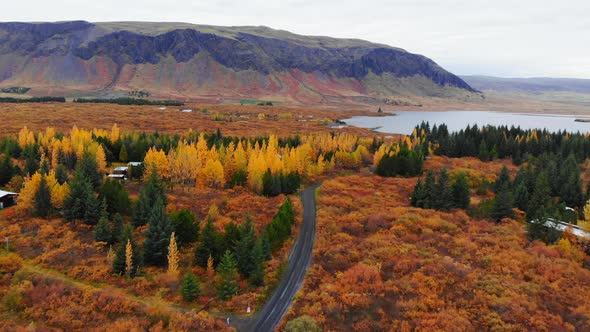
[404, 121]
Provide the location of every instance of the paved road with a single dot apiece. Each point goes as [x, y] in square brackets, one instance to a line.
[299, 260]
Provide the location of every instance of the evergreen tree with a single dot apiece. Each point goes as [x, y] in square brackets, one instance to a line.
[484, 154]
[570, 184]
[157, 237]
[44, 168]
[123, 157]
[116, 227]
[88, 167]
[502, 205]
[189, 289]
[418, 195]
[503, 180]
[102, 231]
[228, 271]
[429, 190]
[208, 245]
[184, 226]
[42, 205]
[460, 192]
[245, 249]
[443, 198]
[231, 237]
[116, 197]
[521, 196]
[257, 274]
[540, 199]
[81, 203]
[7, 170]
[61, 174]
[149, 194]
[544, 227]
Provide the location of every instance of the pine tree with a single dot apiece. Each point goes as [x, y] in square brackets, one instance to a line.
[185, 226]
[116, 227]
[208, 246]
[6, 170]
[149, 194]
[123, 157]
[61, 175]
[88, 167]
[128, 259]
[80, 199]
[157, 237]
[257, 274]
[521, 196]
[95, 209]
[42, 205]
[189, 288]
[503, 179]
[502, 204]
[172, 256]
[102, 231]
[540, 199]
[429, 190]
[231, 237]
[418, 195]
[116, 197]
[245, 249]
[228, 271]
[443, 198]
[460, 192]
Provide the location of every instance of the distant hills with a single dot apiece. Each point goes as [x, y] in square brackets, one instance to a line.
[538, 84]
[179, 60]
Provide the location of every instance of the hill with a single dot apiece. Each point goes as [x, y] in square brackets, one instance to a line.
[213, 63]
[535, 84]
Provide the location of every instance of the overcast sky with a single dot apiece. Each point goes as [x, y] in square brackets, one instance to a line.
[510, 38]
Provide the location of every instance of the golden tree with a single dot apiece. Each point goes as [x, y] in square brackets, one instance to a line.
[26, 197]
[128, 258]
[172, 256]
[210, 268]
[157, 159]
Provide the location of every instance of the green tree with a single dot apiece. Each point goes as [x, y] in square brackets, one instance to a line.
[503, 179]
[185, 226]
[42, 204]
[123, 154]
[61, 174]
[189, 289]
[541, 198]
[257, 274]
[460, 192]
[157, 237]
[443, 198]
[245, 249]
[418, 195]
[521, 196]
[116, 197]
[149, 194]
[227, 270]
[116, 228]
[429, 190]
[7, 170]
[502, 204]
[81, 203]
[102, 231]
[208, 245]
[89, 168]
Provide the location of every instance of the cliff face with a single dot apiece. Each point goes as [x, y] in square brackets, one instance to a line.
[186, 60]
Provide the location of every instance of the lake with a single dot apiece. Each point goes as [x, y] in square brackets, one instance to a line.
[404, 121]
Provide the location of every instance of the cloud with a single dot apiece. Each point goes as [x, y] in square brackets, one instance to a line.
[502, 37]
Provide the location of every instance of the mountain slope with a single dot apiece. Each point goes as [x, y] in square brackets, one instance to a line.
[535, 84]
[185, 60]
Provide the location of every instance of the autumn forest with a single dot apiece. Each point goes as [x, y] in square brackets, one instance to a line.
[123, 229]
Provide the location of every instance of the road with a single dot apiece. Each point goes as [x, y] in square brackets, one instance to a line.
[299, 260]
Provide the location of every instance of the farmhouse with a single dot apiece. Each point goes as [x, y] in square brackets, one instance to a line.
[7, 199]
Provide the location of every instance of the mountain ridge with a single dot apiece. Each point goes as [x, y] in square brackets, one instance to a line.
[188, 60]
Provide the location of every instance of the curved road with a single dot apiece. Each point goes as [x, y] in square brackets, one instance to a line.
[299, 260]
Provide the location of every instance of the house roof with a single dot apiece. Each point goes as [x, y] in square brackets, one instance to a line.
[134, 163]
[116, 176]
[121, 168]
[7, 193]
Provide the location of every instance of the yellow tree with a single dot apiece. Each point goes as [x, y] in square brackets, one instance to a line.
[128, 258]
[115, 133]
[172, 256]
[211, 175]
[25, 137]
[210, 268]
[26, 198]
[59, 192]
[157, 159]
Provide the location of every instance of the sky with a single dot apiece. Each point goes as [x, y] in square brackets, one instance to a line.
[507, 38]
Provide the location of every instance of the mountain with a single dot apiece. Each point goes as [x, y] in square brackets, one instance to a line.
[535, 84]
[180, 60]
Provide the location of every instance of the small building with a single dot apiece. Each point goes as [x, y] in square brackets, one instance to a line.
[134, 163]
[120, 177]
[121, 170]
[186, 111]
[7, 199]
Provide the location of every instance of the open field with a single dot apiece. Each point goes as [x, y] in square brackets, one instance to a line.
[233, 120]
